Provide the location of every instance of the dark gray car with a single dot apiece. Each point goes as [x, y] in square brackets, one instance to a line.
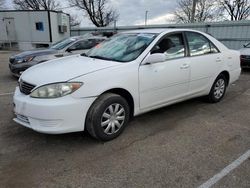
[70, 46]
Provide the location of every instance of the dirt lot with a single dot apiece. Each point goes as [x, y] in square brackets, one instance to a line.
[183, 145]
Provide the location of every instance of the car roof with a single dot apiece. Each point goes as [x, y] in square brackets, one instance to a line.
[92, 37]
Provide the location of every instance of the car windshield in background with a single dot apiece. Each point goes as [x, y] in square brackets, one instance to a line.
[247, 45]
[62, 44]
[122, 47]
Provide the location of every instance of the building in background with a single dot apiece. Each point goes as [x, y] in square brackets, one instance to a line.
[28, 29]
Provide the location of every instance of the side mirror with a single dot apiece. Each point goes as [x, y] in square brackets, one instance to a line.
[155, 58]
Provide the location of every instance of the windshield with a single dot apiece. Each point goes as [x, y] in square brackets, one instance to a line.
[63, 43]
[122, 47]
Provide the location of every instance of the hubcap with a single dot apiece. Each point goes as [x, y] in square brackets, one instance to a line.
[113, 118]
[219, 88]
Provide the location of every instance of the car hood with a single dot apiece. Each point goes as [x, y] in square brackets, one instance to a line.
[245, 51]
[64, 69]
[35, 53]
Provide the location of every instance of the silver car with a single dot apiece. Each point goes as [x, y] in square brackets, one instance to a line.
[70, 46]
[245, 56]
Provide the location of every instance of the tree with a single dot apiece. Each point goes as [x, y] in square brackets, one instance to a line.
[236, 9]
[205, 10]
[98, 11]
[74, 21]
[36, 4]
[2, 3]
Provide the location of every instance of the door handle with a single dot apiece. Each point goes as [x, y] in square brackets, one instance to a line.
[218, 60]
[185, 66]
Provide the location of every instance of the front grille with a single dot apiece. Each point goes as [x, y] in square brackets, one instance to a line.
[23, 118]
[25, 87]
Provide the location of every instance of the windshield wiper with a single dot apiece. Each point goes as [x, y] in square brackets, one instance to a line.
[100, 57]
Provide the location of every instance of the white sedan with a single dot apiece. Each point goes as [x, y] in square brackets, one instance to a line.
[130, 74]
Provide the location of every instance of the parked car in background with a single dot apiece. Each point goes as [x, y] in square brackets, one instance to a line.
[130, 74]
[70, 46]
[245, 56]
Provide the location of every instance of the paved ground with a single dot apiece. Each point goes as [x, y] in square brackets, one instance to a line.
[183, 145]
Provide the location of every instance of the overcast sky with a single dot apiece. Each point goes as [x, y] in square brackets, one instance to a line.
[132, 12]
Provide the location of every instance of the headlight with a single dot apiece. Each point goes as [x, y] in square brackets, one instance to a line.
[56, 90]
[26, 59]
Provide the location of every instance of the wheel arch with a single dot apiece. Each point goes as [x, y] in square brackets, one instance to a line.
[227, 75]
[126, 95]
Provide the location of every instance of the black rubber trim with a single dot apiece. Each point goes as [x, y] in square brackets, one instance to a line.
[50, 32]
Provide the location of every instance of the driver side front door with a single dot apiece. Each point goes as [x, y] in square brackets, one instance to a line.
[164, 82]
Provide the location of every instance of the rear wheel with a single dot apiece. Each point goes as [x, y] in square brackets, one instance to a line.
[218, 89]
[107, 117]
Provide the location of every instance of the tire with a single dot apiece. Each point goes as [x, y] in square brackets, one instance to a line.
[218, 89]
[102, 123]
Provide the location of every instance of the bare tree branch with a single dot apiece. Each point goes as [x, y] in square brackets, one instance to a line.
[236, 9]
[205, 10]
[36, 4]
[2, 3]
[98, 11]
[74, 21]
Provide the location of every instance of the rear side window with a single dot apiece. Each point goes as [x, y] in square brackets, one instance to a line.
[200, 45]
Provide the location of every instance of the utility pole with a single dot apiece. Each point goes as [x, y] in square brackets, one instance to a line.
[193, 11]
[146, 17]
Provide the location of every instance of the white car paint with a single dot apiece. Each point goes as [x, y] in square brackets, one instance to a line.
[151, 86]
[245, 51]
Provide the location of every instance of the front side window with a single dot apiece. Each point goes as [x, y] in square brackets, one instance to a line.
[122, 47]
[62, 44]
[199, 45]
[82, 45]
[172, 46]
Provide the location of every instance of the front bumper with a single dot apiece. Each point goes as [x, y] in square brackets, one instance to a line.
[245, 63]
[18, 68]
[51, 116]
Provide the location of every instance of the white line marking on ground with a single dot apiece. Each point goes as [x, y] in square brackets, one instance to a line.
[226, 170]
[5, 94]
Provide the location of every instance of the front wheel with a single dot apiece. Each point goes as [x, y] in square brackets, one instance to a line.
[218, 89]
[107, 117]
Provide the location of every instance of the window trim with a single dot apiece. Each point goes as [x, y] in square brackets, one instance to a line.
[210, 42]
